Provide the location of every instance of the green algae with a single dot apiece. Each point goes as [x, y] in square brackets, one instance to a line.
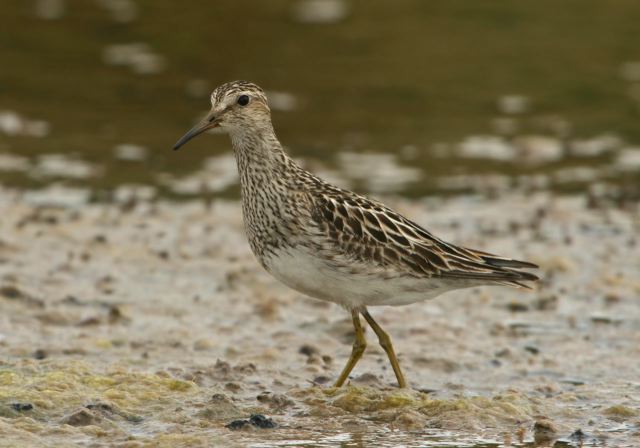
[413, 408]
[620, 412]
[475, 410]
[220, 408]
[57, 387]
[179, 385]
[74, 400]
[8, 378]
[366, 399]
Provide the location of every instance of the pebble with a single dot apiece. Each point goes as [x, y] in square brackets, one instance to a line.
[11, 292]
[81, 417]
[116, 315]
[573, 381]
[261, 421]
[233, 387]
[203, 344]
[612, 299]
[40, 354]
[237, 424]
[308, 350]
[14, 293]
[532, 349]
[278, 401]
[367, 378]
[546, 302]
[544, 431]
[578, 436]
[598, 318]
[322, 379]
[220, 407]
[255, 420]
[110, 411]
[516, 307]
[21, 407]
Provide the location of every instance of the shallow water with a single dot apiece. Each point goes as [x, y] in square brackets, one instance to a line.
[439, 96]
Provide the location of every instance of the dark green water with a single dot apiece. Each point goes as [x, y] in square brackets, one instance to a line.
[412, 79]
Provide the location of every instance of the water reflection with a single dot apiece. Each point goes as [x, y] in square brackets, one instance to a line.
[372, 437]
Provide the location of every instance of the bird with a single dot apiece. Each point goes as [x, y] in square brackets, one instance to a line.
[333, 244]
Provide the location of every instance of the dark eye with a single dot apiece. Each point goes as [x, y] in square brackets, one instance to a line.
[243, 100]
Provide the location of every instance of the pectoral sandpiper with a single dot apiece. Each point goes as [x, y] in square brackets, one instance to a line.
[332, 244]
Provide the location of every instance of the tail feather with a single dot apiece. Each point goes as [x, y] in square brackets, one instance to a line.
[503, 262]
[496, 275]
[497, 270]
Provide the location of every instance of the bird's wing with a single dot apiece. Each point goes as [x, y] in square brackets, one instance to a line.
[369, 232]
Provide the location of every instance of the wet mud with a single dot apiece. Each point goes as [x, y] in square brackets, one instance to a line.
[151, 324]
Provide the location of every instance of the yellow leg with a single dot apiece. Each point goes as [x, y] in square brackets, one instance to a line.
[358, 349]
[385, 343]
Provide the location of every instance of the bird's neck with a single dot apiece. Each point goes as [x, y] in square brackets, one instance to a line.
[268, 176]
[260, 157]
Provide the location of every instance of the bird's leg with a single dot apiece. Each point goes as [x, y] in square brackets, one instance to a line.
[358, 348]
[385, 343]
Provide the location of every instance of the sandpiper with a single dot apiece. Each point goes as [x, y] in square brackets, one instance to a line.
[333, 244]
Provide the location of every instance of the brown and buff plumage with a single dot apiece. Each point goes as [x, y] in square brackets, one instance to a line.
[333, 244]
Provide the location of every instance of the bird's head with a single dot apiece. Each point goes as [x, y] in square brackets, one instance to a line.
[236, 107]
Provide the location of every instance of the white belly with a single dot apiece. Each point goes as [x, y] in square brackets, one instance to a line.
[311, 275]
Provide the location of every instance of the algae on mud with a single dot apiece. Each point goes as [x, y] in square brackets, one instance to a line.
[203, 336]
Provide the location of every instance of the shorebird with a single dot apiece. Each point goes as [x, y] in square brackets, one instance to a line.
[333, 244]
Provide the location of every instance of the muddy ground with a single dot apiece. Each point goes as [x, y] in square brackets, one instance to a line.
[149, 323]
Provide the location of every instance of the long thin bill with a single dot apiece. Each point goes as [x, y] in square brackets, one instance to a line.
[191, 133]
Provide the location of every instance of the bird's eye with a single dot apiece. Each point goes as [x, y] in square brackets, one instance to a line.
[243, 100]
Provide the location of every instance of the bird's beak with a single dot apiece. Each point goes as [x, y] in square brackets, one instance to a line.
[208, 122]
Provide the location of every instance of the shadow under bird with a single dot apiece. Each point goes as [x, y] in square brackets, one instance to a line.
[333, 244]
